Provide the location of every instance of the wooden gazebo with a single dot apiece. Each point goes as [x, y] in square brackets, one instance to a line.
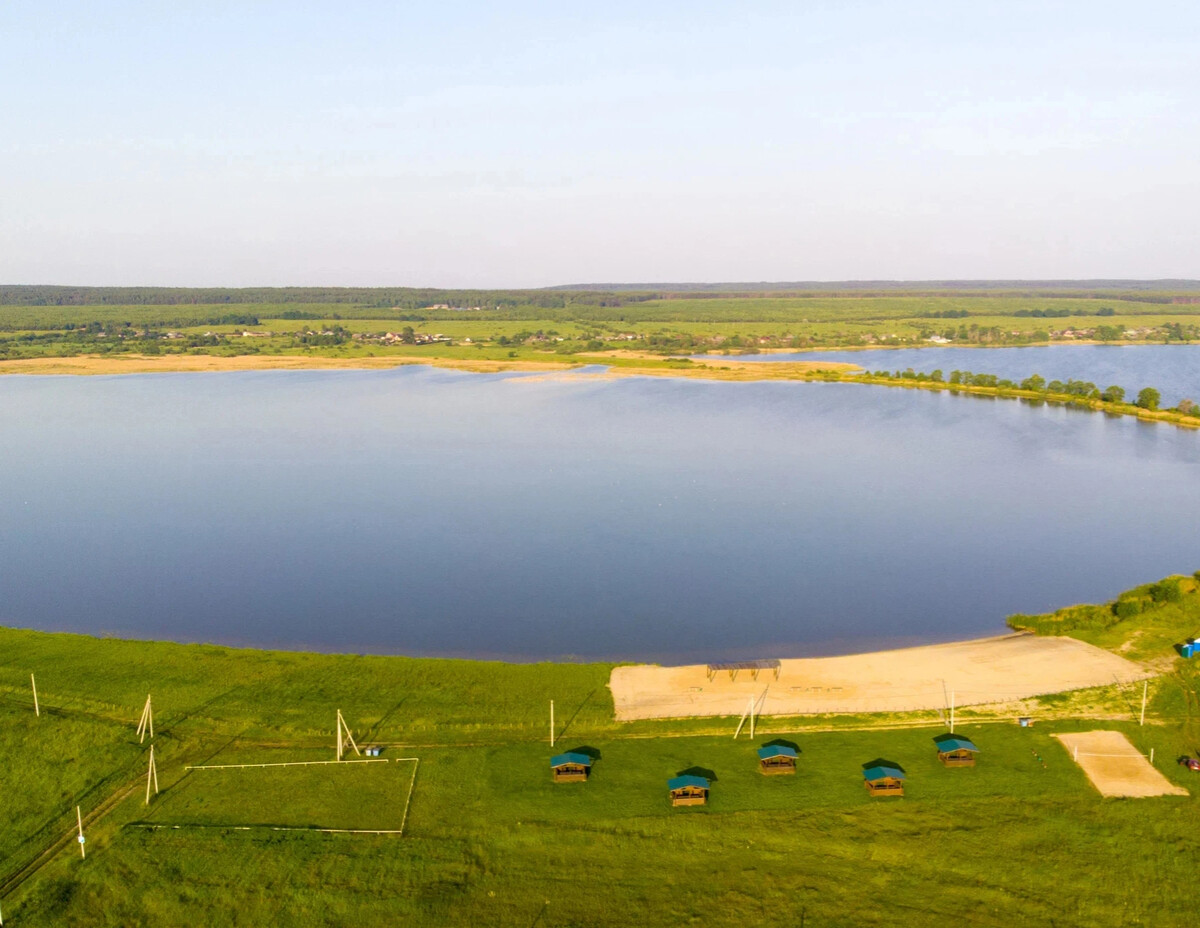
[775, 759]
[956, 751]
[884, 780]
[688, 790]
[570, 767]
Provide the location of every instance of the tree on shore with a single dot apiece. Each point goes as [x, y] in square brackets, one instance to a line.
[1148, 398]
[1113, 394]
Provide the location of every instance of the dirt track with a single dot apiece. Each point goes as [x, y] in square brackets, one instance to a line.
[1002, 669]
[1115, 766]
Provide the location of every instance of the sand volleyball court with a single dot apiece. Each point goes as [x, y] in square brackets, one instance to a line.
[988, 670]
[1116, 767]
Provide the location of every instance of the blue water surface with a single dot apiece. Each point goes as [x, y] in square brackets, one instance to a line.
[423, 511]
[1173, 370]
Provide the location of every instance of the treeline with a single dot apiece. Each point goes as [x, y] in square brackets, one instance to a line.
[1140, 600]
[1063, 313]
[1148, 398]
[412, 298]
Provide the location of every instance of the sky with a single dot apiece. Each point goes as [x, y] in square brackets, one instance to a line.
[471, 144]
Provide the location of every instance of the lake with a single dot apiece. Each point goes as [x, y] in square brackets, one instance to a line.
[431, 512]
[1173, 370]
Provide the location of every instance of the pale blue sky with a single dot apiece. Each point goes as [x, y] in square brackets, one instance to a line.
[528, 144]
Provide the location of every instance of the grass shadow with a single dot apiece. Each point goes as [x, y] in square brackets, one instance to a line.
[698, 772]
[372, 733]
[883, 762]
[588, 750]
[575, 714]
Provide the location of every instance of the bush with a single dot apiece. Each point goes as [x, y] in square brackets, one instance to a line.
[1166, 591]
[1127, 608]
[1149, 398]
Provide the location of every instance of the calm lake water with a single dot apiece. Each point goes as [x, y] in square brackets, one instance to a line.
[421, 511]
[1173, 370]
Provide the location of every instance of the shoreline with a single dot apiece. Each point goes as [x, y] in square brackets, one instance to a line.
[1007, 669]
[1004, 669]
[721, 368]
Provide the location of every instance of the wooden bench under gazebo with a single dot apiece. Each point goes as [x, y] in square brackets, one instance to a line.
[754, 667]
[884, 780]
[688, 790]
[775, 759]
[956, 751]
[570, 767]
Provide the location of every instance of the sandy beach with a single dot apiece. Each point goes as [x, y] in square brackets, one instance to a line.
[99, 365]
[987, 670]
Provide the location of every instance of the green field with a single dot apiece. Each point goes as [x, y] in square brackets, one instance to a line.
[356, 795]
[41, 322]
[1020, 839]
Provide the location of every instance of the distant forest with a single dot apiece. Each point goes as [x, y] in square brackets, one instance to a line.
[600, 295]
[390, 297]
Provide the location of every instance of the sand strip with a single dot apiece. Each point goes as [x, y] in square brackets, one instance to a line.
[988, 670]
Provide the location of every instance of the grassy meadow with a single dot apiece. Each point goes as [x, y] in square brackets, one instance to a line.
[1021, 839]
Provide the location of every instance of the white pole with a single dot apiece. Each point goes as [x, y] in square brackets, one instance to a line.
[36, 708]
[551, 723]
[1145, 688]
[79, 819]
[1152, 757]
[752, 717]
[146, 722]
[952, 712]
[339, 734]
[151, 773]
[741, 722]
[1075, 757]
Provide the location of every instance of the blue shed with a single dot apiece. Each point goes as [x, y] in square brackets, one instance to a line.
[1190, 648]
[688, 790]
[776, 759]
[570, 767]
[956, 751]
[884, 780]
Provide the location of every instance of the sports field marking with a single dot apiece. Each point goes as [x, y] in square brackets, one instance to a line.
[1115, 767]
[231, 826]
[297, 763]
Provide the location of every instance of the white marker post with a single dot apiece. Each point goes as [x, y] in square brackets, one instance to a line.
[343, 736]
[952, 712]
[151, 775]
[551, 723]
[36, 708]
[146, 722]
[79, 819]
[1145, 689]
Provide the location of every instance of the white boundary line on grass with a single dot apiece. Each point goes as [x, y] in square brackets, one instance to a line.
[412, 785]
[333, 831]
[296, 763]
